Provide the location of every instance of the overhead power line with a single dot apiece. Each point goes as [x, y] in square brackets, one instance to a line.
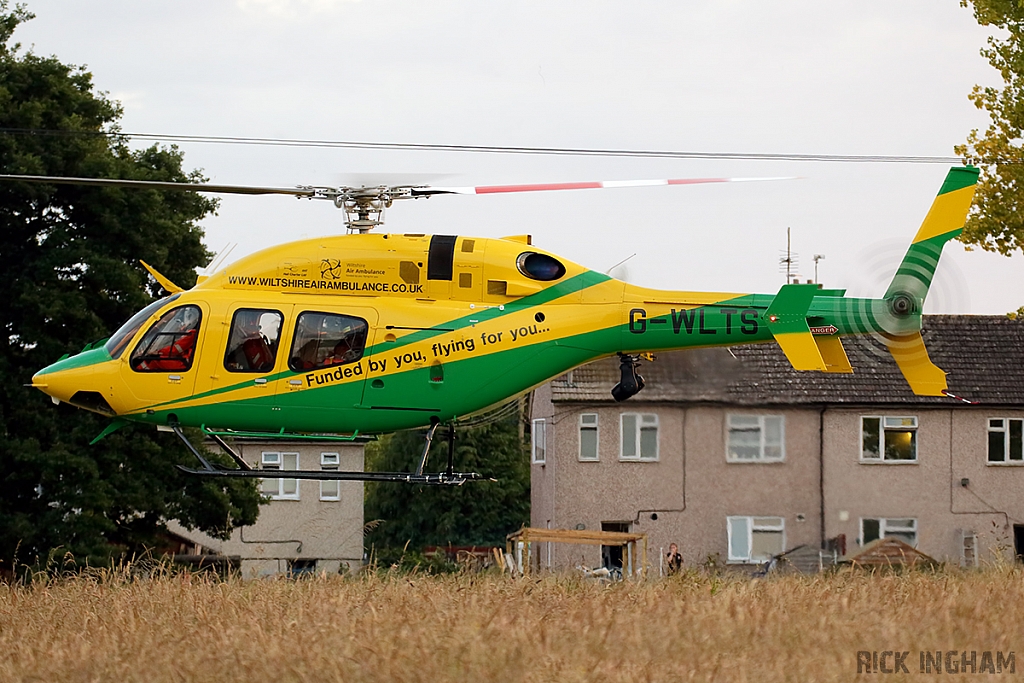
[494, 149]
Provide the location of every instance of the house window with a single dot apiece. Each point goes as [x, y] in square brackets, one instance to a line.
[755, 438]
[538, 448]
[756, 539]
[639, 436]
[872, 529]
[301, 567]
[330, 489]
[1005, 442]
[888, 439]
[588, 436]
[281, 489]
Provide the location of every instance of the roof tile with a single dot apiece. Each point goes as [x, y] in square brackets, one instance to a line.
[983, 357]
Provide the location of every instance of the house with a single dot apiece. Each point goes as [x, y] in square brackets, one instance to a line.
[308, 526]
[735, 456]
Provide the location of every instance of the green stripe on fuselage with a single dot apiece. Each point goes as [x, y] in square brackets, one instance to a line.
[80, 360]
[574, 284]
[408, 399]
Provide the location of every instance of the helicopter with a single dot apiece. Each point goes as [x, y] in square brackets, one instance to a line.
[366, 333]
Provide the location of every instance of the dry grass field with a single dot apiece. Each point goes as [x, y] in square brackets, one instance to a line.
[111, 627]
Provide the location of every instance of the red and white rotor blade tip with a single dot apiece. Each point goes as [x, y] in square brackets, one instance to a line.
[594, 185]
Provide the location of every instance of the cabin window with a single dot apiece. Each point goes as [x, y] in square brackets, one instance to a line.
[116, 345]
[1005, 440]
[252, 345]
[888, 439]
[539, 266]
[170, 344]
[326, 339]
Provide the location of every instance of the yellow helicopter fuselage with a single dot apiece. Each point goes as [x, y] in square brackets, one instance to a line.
[380, 332]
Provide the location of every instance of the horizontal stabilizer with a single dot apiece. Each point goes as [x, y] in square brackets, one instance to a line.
[833, 353]
[787, 321]
[910, 354]
[801, 351]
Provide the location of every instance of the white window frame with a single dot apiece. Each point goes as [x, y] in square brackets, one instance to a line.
[885, 525]
[274, 460]
[761, 457]
[652, 422]
[538, 437]
[595, 427]
[1008, 460]
[881, 459]
[750, 529]
[330, 462]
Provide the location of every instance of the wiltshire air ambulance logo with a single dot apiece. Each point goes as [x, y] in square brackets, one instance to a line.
[331, 269]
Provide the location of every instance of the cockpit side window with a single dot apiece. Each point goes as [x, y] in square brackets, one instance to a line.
[116, 345]
[252, 346]
[326, 339]
[170, 344]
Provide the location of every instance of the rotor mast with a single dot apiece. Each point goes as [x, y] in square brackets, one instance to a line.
[364, 206]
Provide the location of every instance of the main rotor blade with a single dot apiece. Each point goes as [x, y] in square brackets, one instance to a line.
[158, 185]
[595, 185]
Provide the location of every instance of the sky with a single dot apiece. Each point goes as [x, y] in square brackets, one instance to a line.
[868, 77]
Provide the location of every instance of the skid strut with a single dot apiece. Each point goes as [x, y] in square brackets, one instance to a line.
[245, 471]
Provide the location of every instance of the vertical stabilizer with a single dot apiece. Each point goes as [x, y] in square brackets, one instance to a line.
[900, 319]
[945, 221]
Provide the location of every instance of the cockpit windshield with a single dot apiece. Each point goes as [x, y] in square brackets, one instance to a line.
[119, 342]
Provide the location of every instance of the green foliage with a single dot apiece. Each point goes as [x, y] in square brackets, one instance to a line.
[477, 513]
[71, 275]
[996, 222]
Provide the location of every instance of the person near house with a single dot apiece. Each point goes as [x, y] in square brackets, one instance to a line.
[673, 559]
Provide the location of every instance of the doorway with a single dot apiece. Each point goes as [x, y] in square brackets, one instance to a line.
[611, 555]
[1018, 542]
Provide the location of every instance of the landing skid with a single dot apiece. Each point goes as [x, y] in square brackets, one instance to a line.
[244, 471]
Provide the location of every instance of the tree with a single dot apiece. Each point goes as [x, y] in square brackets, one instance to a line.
[71, 275]
[477, 513]
[996, 222]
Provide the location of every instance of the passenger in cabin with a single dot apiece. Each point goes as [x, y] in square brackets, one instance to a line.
[305, 359]
[249, 350]
[325, 339]
[343, 353]
[177, 331]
